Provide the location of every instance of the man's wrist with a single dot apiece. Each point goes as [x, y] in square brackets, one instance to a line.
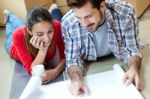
[135, 68]
[75, 73]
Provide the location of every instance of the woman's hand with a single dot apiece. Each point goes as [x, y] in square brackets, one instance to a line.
[39, 44]
[49, 75]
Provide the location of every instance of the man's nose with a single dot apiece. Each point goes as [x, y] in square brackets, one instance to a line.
[85, 22]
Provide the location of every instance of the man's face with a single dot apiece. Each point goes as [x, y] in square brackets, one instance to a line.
[90, 17]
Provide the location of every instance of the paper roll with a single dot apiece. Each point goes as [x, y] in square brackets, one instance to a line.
[38, 70]
[33, 84]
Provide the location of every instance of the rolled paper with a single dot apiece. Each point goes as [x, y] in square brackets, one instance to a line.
[34, 82]
[38, 69]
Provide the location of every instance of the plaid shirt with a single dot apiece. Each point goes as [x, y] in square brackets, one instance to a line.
[122, 35]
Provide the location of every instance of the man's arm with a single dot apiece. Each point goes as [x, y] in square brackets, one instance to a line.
[134, 56]
[132, 75]
[78, 86]
[75, 73]
[135, 62]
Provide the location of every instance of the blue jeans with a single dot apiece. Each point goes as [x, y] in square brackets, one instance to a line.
[57, 14]
[14, 22]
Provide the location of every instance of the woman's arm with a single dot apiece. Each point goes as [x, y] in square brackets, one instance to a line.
[51, 74]
[40, 58]
[20, 52]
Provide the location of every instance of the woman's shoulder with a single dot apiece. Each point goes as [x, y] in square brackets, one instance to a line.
[57, 26]
[19, 32]
[56, 23]
[57, 30]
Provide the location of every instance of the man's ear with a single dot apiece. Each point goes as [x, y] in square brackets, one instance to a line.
[29, 31]
[102, 6]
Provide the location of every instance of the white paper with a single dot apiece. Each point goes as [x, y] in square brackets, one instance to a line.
[105, 85]
[33, 84]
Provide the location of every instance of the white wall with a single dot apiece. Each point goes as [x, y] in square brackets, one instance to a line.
[16, 6]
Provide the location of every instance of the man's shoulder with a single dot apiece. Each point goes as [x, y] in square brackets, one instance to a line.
[120, 7]
[69, 18]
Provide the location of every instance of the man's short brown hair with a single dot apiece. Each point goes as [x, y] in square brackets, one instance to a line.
[80, 3]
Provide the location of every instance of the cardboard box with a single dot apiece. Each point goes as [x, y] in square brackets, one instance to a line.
[60, 2]
[139, 5]
[63, 9]
[62, 5]
[32, 3]
[21, 7]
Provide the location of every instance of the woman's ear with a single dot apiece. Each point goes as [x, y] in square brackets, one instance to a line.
[29, 31]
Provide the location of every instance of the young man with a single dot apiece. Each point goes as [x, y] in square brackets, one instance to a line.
[96, 28]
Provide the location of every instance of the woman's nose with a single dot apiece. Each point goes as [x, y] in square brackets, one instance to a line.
[46, 38]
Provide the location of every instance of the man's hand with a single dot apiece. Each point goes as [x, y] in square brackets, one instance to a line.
[78, 88]
[132, 75]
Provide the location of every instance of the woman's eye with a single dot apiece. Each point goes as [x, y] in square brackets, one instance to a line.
[39, 34]
[50, 31]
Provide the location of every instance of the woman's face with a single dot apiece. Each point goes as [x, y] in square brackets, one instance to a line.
[44, 31]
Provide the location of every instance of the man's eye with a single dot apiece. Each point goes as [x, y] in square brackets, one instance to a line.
[88, 16]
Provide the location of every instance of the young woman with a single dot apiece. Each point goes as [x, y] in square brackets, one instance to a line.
[37, 42]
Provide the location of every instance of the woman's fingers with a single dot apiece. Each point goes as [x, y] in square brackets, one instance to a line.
[37, 43]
